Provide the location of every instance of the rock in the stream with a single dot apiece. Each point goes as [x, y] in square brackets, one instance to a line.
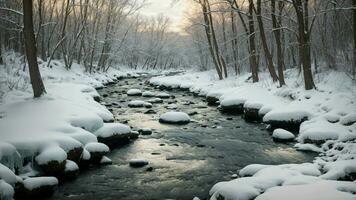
[71, 170]
[147, 105]
[232, 106]
[97, 151]
[134, 92]
[145, 131]
[155, 100]
[150, 112]
[212, 100]
[105, 161]
[114, 134]
[75, 154]
[280, 135]
[148, 94]
[36, 188]
[52, 161]
[174, 118]
[252, 115]
[163, 95]
[136, 104]
[286, 119]
[138, 162]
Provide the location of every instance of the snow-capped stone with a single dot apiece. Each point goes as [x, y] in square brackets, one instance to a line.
[136, 103]
[97, 147]
[38, 182]
[111, 129]
[7, 175]
[52, 153]
[134, 92]
[175, 118]
[163, 95]
[146, 131]
[148, 94]
[106, 161]
[281, 135]
[155, 100]
[6, 191]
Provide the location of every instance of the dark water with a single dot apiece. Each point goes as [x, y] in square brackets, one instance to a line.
[186, 160]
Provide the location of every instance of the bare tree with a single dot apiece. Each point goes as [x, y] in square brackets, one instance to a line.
[31, 50]
[304, 31]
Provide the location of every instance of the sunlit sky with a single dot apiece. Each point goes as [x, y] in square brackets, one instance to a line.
[175, 11]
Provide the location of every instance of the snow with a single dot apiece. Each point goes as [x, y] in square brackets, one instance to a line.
[105, 160]
[339, 169]
[7, 175]
[111, 129]
[175, 117]
[320, 190]
[148, 94]
[97, 147]
[71, 166]
[136, 103]
[52, 153]
[37, 182]
[134, 92]
[163, 95]
[6, 191]
[282, 134]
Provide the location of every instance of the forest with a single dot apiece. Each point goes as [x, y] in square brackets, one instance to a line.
[178, 99]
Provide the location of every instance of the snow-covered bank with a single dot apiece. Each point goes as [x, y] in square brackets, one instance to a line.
[323, 120]
[54, 134]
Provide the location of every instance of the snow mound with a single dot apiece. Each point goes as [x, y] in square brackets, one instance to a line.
[111, 129]
[320, 190]
[7, 175]
[339, 169]
[175, 118]
[97, 147]
[37, 182]
[282, 135]
[163, 95]
[52, 153]
[134, 92]
[148, 94]
[6, 191]
[71, 166]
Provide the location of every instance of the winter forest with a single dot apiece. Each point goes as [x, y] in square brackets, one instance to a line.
[178, 99]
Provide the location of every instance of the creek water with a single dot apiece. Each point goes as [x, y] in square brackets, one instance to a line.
[184, 160]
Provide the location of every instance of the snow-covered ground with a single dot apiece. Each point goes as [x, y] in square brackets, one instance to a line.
[324, 121]
[37, 133]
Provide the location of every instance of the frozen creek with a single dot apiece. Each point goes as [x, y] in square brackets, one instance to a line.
[184, 160]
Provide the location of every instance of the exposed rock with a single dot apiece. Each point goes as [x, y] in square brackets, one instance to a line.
[75, 154]
[212, 101]
[138, 162]
[252, 115]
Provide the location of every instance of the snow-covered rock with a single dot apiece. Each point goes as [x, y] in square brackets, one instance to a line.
[340, 170]
[155, 100]
[6, 191]
[136, 104]
[175, 118]
[163, 95]
[281, 135]
[148, 94]
[111, 129]
[134, 92]
[7, 175]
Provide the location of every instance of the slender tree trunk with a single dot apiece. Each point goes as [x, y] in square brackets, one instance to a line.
[277, 34]
[252, 45]
[354, 35]
[31, 50]
[1, 48]
[266, 50]
[301, 8]
[234, 44]
[208, 32]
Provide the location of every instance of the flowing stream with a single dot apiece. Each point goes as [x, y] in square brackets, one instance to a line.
[184, 160]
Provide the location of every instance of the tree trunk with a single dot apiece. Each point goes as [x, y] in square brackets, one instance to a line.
[266, 50]
[31, 51]
[354, 35]
[301, 9]
[252, 45]
[277, 34]
[234, 43]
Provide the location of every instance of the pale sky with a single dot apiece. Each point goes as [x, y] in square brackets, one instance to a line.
[175, 11]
